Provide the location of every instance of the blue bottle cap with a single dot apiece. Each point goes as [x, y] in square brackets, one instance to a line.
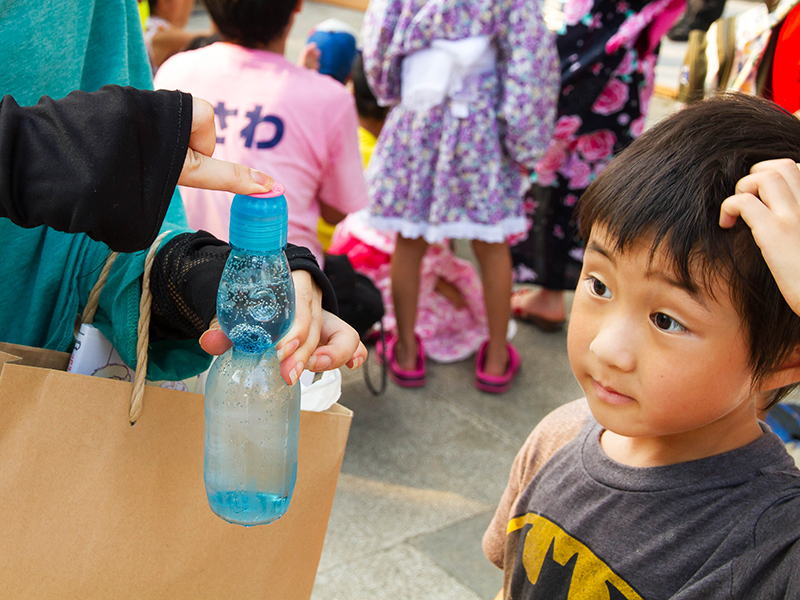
[259, 222]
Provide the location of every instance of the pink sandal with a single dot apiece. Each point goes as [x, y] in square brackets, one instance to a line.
[496, 384]
[403, 378]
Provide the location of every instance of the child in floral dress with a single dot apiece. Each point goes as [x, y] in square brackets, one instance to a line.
[473, 85]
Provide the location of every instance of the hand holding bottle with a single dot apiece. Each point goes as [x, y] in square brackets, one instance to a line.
[318, 339]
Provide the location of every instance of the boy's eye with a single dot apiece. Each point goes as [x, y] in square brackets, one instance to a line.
[666, 323]
[598, 287]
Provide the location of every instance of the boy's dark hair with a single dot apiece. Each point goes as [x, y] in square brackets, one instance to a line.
[366, 103]
[670, 184]
[250, 23]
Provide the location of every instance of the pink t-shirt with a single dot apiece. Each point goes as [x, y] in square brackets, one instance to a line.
[292, 123]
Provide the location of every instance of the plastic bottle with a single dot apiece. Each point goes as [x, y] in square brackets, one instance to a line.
[252, 417]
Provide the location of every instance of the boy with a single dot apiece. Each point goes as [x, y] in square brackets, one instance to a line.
[662, 482]
[274, 116]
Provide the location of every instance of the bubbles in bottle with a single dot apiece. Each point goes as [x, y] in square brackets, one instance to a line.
[263, 304]
[250, 338]
[253, 315]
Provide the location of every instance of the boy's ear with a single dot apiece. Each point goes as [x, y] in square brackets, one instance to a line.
[787, 373]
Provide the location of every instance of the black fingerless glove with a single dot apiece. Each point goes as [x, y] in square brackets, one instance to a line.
[185, 279]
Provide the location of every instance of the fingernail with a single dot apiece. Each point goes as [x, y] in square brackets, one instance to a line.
[319, 363]
[262, 179]
[357, 363]
[295, 374]
[287, 350]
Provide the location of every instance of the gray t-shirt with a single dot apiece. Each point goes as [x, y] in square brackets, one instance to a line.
[726, 526]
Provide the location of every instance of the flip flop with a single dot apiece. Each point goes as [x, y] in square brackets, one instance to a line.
[402, 377]
[496, 384]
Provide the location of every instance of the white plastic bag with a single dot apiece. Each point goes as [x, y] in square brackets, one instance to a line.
[321, 394]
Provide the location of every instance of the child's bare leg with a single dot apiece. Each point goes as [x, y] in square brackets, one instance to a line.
[406, 261]
[451, 292]
[495, 263]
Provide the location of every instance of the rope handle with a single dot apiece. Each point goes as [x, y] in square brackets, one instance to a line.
[94, 296]
[143, 329]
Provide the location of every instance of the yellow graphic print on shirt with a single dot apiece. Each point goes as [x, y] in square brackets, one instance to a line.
[545, 545]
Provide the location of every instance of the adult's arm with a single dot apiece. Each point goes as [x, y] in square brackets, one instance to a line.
[184, 282]
[103, 163]
[106, 163]
[185, 279]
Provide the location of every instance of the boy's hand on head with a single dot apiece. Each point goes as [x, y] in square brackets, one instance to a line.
[309, 57]
[768, 200]
[202, 171]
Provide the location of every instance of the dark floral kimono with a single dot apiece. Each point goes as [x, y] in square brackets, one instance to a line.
[608, 51]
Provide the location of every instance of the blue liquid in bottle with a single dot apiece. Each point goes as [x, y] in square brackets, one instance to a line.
[252, 417]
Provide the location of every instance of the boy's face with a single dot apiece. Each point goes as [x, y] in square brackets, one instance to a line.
[666, 369]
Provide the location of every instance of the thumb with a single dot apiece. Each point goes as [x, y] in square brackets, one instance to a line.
[200, 171]
[214, 341]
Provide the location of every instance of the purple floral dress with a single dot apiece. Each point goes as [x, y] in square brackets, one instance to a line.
[439, 176]
[608, 51]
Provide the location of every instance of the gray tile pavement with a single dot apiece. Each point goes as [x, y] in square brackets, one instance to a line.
[400, 573]
[423, 472]
[454, 549]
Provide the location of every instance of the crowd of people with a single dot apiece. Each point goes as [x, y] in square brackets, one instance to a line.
[518, 128]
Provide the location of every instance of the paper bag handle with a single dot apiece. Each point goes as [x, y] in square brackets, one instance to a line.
[143, 330]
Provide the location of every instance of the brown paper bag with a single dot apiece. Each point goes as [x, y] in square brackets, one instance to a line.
[92, 507]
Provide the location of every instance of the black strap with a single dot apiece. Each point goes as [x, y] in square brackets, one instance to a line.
[382, 362]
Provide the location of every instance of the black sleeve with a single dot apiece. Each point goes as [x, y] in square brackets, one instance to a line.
[185, 278]
[103, 163]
